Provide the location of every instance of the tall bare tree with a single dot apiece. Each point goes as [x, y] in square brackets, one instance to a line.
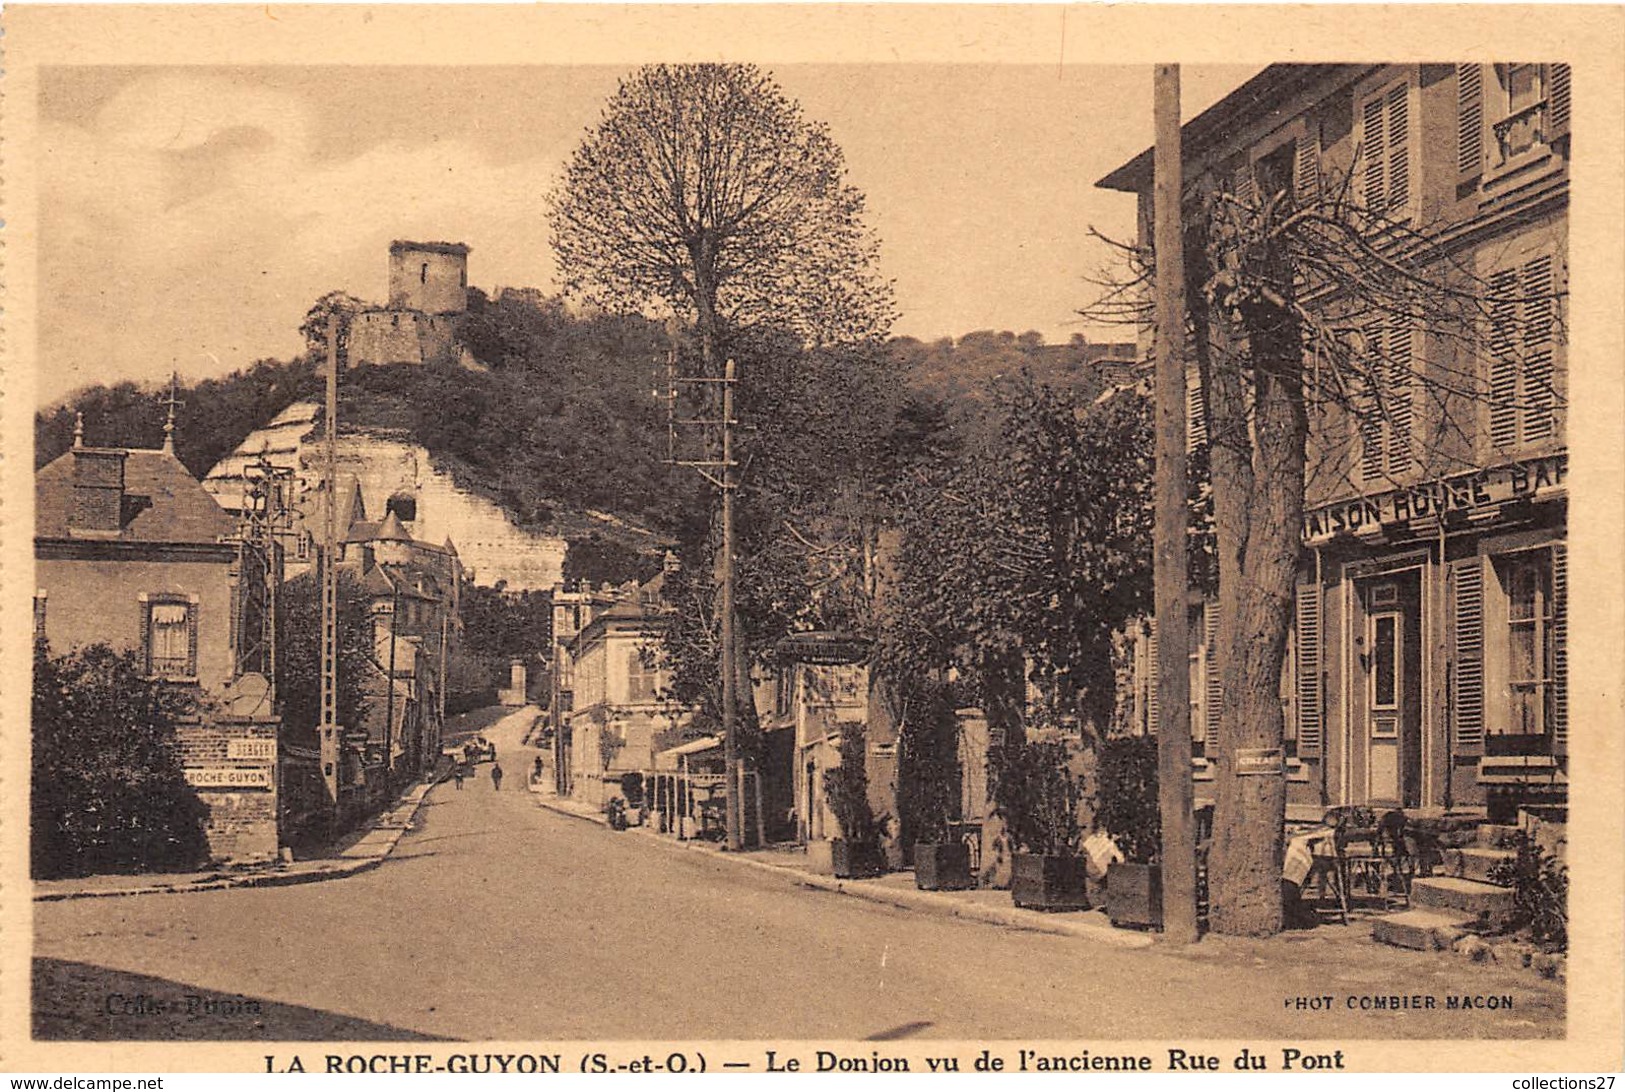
[705, 192]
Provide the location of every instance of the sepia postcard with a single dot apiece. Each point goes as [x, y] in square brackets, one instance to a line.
[812, 539]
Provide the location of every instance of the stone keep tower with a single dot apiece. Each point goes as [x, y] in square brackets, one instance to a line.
[430, 278]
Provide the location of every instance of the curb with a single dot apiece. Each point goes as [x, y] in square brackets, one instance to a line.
[350, 867]
[902, 898]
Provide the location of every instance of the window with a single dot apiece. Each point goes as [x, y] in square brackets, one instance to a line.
[1522, 353]
[641, 676]
[1525, 106]
[1530, 644]
[1384, 172]
[1386, 406]
[171, 639]
[39, 615]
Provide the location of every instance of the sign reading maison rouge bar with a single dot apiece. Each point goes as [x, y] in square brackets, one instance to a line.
[229, 777]
[1478, 491]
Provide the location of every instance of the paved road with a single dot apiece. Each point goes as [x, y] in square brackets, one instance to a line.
[498, 919]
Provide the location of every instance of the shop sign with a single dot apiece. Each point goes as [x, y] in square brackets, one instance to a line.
[1255, 761]
[1479, 491]
[229, 777]
[250, 750]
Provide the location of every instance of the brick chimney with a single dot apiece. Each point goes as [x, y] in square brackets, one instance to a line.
[98, 491]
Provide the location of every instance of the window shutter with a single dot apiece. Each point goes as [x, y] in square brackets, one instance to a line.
[144, 606]
[191, 640]
[1399, 152]
[1467, 583]
[1153, 705]
[1399, 398]
[1557, 102]
[1372, 407]
[1373, 147]
[1213, 680]
[1195, 415]
[1245, 188]
[1306, 171]
[1310, 733]
[1538, 397]
[1503, 358]
[1470, 119]
[1560, 648]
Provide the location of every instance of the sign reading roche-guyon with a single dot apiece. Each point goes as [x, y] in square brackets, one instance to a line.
[1477, 492]
[229, 777]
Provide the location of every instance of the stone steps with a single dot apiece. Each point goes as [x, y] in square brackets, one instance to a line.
[1421, 929]
[1481, 900]
[1474, 862]
[1498, 836]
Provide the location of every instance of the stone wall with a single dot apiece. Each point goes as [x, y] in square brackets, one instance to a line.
[402, 337]
[242, 823]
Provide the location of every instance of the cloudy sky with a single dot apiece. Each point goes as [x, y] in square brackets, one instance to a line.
[189, 216]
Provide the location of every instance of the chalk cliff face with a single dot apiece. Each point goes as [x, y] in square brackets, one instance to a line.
[392, 473]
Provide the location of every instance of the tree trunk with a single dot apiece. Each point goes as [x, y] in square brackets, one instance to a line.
[1258, 461]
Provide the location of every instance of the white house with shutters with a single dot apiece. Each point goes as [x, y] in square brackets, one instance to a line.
[1428, 664]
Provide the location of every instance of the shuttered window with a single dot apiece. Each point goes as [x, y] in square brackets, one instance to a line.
[1387, 408]
[1196, 434]
[1385, 151]
[1467, 654]
[1307, 671]
[1529, 585]
[1560, 649]
[1306, 170]
[1522, 343]
[1212, 681]
[1470, 120]
[169, 637]
[1153, 701]
[1557, 121]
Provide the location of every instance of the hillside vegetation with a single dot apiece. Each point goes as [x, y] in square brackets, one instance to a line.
[557, 421]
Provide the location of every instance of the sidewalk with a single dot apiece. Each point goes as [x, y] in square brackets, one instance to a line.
[360, 851]
[894, 889]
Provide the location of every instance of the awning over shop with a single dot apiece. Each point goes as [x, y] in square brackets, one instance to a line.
[669, 760]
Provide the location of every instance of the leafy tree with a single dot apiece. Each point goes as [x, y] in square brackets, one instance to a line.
[340, 307]
[1022, 557]
[299, 665]
[109, 794]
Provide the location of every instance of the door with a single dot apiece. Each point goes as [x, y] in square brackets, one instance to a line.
[1393, 690]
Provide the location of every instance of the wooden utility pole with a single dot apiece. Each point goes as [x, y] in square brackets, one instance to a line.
[733, 787]
[327, 732]
[720, 473]
[1171, 577]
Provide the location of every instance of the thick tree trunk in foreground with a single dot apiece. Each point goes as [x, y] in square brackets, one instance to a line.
[1258, 494]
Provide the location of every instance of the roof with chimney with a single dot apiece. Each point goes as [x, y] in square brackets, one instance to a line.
[161, 502]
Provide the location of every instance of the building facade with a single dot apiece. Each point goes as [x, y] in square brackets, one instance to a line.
[1427, 667]
[130, 551]
[620, 715]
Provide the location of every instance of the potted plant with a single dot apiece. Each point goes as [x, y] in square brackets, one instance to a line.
[930, 786]
[1037, 796]
[1126, 808]
[857, 853]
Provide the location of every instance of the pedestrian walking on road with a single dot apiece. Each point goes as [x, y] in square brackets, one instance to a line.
[536, 770]
[457, 776]
[496, 778]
